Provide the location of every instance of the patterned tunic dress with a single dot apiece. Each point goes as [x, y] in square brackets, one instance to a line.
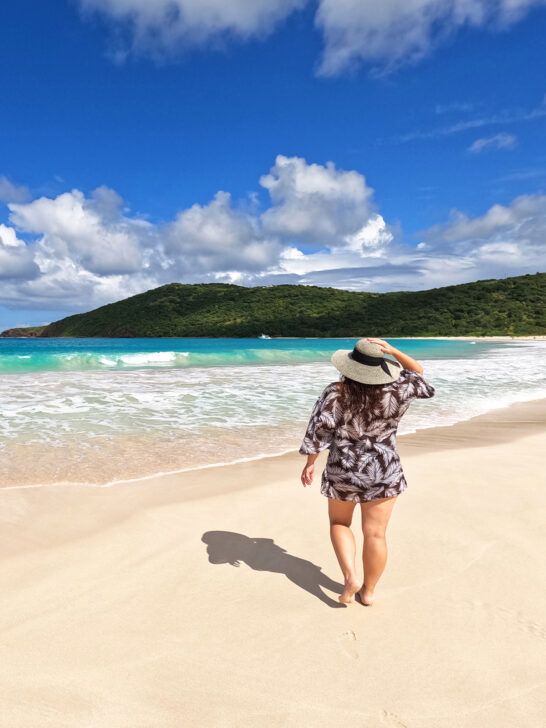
[363, 463]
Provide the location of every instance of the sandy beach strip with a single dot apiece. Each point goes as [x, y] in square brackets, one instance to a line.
[478, 337]
[209, 598]
[527, 337]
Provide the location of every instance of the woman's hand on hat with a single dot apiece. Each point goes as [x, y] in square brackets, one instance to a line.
[385, 346]
[307, 474]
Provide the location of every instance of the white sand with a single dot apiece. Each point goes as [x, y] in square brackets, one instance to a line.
[115, 613]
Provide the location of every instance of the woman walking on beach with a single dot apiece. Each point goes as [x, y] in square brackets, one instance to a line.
[357, 419]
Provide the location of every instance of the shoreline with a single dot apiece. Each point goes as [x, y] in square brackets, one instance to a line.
[524, 413]
[91, 450]
[529, 337]
[500, 339]
[495, 426]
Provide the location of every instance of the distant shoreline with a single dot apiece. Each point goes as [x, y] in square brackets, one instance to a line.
[530, 337]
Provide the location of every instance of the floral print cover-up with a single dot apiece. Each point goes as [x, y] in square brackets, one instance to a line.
[363, 463]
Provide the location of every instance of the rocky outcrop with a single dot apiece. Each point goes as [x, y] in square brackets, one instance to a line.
[27, 331]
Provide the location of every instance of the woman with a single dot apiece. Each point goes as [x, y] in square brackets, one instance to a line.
[357, 419]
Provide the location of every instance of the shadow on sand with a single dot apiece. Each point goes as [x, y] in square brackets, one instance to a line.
[263, 554]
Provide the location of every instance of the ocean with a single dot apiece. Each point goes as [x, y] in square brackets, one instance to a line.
[97, 411]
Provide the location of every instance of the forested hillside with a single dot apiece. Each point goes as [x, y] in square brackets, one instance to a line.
[509, 306]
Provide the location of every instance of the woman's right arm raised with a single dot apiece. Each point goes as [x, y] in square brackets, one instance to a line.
[405, 360]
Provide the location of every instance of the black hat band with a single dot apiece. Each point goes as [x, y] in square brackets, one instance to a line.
[371, 361]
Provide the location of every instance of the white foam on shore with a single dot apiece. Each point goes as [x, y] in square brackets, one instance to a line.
[261, 456]
[260, 411]
[50, 406]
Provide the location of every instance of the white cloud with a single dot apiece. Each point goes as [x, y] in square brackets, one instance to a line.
[506, 240]
[84, 253]
[391, 33]
[215, 237]
[91, 232]
[166, 26]
[385, 34]
[87, 251]
[499, 141]
[499, 219]
[453, 106]
[371, 238]
[314, 203]
[521, 174]
[320, 228]
[10, 192]
[16, 260]
[505, 116]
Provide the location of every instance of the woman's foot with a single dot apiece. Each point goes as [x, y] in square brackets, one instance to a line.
[351, 588]
[366, 596]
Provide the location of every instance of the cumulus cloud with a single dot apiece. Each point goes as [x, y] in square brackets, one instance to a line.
[16, 260]
[82, 252]
[215, 237]
[91, 232]
[506, 240]
[85, 250]
[321, 227]
[314, 203]
[498, 141]
[499, 219]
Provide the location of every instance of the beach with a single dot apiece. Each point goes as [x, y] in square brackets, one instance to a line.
[232, 233]
[209, 598]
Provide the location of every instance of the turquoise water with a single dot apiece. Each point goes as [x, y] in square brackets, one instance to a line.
[37, 355]
[100, 410]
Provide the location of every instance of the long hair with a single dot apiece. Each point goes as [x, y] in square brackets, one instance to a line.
[360, 399]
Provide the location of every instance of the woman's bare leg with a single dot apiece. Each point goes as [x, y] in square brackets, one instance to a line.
[343, 541]
[375, 517]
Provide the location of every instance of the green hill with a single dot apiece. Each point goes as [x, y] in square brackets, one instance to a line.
[508, 306]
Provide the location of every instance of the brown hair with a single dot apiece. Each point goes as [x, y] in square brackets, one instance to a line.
[358, 398]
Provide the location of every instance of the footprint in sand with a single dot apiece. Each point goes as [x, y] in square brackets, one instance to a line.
[511, 616]
[392, 720]
[348, 642]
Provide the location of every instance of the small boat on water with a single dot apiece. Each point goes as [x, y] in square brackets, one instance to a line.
[264, 336]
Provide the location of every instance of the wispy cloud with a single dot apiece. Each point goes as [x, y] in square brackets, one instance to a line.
[519, 175]
[499, 141]
[506, 116]
[382, 35]
[10, 192]
[453, 106]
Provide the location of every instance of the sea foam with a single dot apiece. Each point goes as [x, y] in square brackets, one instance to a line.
[150, 413]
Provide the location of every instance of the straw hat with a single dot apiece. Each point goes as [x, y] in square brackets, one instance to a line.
[366, 363]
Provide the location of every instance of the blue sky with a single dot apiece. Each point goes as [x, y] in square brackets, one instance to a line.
[352, 143]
